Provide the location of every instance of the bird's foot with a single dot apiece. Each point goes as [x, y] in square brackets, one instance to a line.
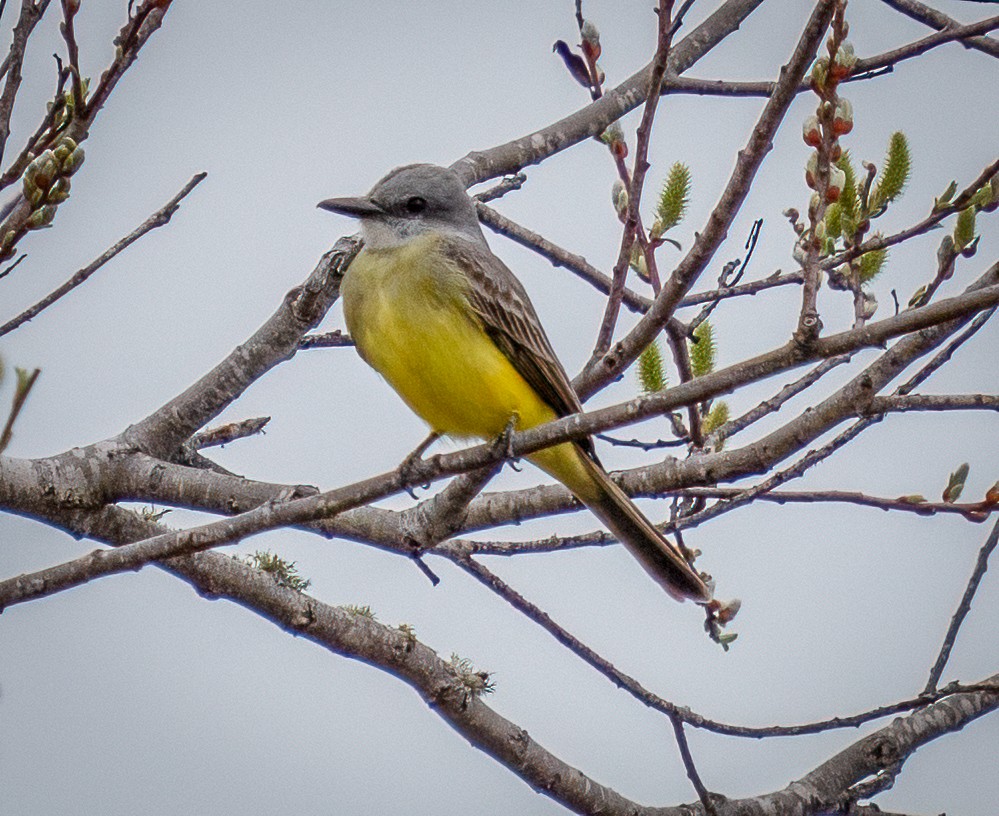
[409, 468]
[503, 444]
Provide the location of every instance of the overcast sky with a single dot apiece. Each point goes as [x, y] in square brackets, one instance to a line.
[134, 695]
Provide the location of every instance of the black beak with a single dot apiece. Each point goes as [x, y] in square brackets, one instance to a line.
[354, 207]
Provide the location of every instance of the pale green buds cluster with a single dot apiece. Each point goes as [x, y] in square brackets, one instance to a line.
[45, 184]
[46, 179]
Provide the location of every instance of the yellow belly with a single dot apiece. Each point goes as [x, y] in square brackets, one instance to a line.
[406, 310]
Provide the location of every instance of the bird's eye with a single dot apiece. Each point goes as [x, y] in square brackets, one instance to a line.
[416, 205]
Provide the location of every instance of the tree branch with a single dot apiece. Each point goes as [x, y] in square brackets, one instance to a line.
[602, 370]
[963, 608]
[159, 218]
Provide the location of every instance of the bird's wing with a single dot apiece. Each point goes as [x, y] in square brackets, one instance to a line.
[508, 316]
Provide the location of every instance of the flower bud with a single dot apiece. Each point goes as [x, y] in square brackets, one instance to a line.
[819, 72]
[842, 117]
[811, 170]
[811, 132]
[837, 179]
[619, 195]
[591, 41]
[845, 60]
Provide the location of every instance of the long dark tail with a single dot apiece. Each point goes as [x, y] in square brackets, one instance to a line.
[589, 482]
[659, 556]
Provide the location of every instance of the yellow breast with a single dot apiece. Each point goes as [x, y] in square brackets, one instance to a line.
[407, 311]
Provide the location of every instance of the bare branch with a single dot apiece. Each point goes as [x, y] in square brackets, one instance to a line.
[331, 339]
[940, 21]
[593, 119]
[163, 432]
[963, 608]
[933, 402]
[31, 13]
[158, 219]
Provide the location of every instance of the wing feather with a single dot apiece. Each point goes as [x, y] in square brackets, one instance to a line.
[508, 317]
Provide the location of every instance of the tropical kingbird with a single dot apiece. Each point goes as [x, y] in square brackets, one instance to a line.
[446, 323]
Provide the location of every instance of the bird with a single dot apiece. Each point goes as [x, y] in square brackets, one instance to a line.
[447, 324]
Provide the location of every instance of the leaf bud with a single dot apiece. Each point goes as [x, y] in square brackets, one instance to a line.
[42, 217]
[59, 191]
[46, 168]
[868, 305]
[73, 162]
[619, 195]
[919, 297]
[839, 278]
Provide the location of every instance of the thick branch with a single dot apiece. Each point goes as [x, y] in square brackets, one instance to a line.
[940, 21]
[593, 119]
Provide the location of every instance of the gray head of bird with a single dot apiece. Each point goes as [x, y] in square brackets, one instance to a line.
[411, 201]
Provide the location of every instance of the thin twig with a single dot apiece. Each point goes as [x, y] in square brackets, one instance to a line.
[13, 266]
[31, 13]
[20, 397]
[603, 368]
[786, 393]
[157, 219]
[935, 402]
[505, 185]
[634, 184]
[981, 565]
[69, 10]
[867, 68]
[688, 763]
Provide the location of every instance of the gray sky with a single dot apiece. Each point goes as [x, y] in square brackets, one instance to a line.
[133, 694]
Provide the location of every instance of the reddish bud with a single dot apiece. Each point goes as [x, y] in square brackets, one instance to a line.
[811, 132]
[842, 117]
